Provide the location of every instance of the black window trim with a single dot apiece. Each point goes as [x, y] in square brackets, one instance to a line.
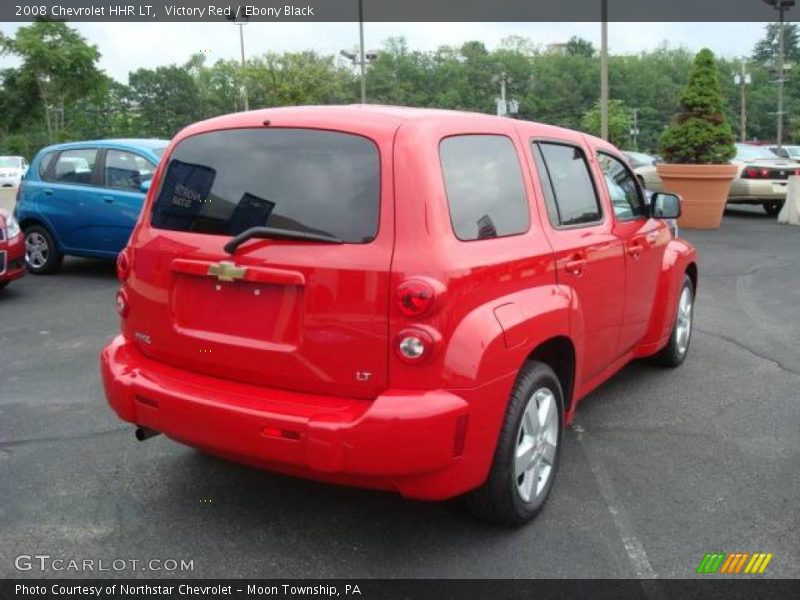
[521, 164]
[600, 207]
[104, 183]
[94, 182]
[639, 191]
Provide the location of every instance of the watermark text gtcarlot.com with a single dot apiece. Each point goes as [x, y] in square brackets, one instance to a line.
[46, 562]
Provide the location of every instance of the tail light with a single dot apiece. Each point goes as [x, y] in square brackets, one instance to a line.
[415, 297]
[122, 304]
[123, 265]
[413, 345]
[756, 173]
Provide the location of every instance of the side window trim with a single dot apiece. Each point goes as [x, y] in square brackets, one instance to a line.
[635, 179]
[600, 209]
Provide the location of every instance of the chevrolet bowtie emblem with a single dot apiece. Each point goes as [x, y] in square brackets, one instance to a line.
[226, 271]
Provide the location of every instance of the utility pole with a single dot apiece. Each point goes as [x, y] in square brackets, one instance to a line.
[604, 69]
[241, 22]
[635, 130]
[742, 80]
[781, 6]
[361, 50]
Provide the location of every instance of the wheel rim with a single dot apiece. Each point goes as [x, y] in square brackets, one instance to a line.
[683, 326]
[36, 250]
[537, 441]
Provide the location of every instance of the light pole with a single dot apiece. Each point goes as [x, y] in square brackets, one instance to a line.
[635, 129]
[781, 6]
[604, 69]
[360, 59]
[362, 62]
[742, 79]
[241, 22]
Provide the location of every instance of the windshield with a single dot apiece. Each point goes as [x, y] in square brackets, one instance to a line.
[9, 162]
[745, 152]
[304, 180]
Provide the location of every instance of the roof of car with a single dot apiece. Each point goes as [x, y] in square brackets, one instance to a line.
[141, 143]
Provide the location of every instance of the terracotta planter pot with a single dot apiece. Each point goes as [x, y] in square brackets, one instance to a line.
[703, 190]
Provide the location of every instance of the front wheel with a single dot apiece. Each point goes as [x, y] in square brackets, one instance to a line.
[674, 353]
[773, 208]
[526, 459]
[41, 254]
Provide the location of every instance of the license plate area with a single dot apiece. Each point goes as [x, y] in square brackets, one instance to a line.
[244, 310]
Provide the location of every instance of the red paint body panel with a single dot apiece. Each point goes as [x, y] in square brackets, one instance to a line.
[293, 368]
[13, 251]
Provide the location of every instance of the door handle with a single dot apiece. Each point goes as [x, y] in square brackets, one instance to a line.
[575, 266]
[108, 199]
[48, 192]
[635, 250]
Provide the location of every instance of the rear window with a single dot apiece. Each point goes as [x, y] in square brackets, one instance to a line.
[225, 182]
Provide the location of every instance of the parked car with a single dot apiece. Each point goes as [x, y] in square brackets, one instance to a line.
[639, 159]
[762, 178]
[404, 299]
[12, 249]
[12, 170]
[83, 199]
[790, 152]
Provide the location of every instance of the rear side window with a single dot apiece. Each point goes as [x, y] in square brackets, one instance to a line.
[311, 181]
[75, 166]
[572, 193]
[485, 191]
[44, 165]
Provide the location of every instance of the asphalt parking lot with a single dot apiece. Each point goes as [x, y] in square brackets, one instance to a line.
[660, 467]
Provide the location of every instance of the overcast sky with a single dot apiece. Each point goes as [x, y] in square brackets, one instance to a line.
[128, 46]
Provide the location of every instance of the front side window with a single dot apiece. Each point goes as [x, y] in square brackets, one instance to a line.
[622, 188]
[565, 169]
[485, 190]
[126, 170]
[301, 180]
[75, 166]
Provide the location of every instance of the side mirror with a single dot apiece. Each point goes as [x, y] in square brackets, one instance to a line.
[145, 186]
[665, 206]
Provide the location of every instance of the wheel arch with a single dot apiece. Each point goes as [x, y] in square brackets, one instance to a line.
[559, 354]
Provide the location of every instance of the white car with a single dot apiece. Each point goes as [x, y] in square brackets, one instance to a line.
[762, 178]
[12, 170]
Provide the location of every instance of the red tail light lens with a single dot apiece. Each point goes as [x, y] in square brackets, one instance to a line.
[122, 304]
[413, 345]
[123, 265]
[415, 297]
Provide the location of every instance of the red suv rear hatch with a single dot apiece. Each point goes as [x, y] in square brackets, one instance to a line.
[302, 302]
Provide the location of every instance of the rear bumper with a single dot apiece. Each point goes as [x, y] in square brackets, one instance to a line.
[746, 190]
[12, 258]
[410, 441]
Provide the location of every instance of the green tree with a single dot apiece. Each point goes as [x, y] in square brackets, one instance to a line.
[619, 121]
[699, 133]
[164, 100]
[580, 47]
[57, 62]
[766, 49]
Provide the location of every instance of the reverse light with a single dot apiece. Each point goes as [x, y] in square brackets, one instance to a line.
[413, 345]
[415, 297]
[122, 304]
[123, 265]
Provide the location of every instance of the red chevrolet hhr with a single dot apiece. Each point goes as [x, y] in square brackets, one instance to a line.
[404, 299]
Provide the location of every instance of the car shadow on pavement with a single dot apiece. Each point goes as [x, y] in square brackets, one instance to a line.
[87, 268]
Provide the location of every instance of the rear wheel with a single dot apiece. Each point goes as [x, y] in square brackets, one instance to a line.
[773, 208]
[41, 254]
[674, 353]
[526, 458]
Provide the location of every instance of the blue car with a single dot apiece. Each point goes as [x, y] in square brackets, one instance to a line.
[83, 199]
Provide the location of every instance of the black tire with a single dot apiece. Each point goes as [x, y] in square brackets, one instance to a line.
[50, 253]
[499, 499]
[773, 208]
[674, 353]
